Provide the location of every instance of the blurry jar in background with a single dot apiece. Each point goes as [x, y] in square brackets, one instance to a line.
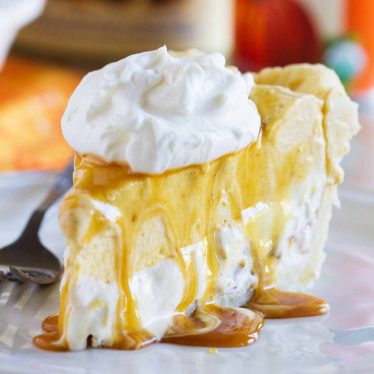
[359, 21]
[94, 32]
[348, 28]
[347, 31]
[273, 33]
[13, 16]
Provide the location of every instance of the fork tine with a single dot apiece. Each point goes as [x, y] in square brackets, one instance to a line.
[28, 259]
[41, 278]
[9, 276]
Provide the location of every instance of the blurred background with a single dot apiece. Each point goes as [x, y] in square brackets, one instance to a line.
[46, 46]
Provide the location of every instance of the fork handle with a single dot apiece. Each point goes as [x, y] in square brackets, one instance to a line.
[64, 182]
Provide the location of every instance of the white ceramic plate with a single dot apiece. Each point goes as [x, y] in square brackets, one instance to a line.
[25, 179]
[343, 341]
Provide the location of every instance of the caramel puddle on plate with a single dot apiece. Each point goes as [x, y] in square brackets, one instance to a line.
[275, 304]
[213, 326]
[49, 338]
[216, 326]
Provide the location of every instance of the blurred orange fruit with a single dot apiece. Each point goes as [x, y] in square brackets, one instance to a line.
[33, 97]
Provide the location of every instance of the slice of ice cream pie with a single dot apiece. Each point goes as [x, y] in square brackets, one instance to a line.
[201, 200]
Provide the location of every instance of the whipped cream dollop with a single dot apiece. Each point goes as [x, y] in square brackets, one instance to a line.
[157, 111]
[14, 14]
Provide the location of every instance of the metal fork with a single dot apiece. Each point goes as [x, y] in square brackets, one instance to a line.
[27, 258]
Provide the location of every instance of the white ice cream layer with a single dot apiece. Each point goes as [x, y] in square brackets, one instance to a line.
[159, 289]
[236, 279]
[91, 311]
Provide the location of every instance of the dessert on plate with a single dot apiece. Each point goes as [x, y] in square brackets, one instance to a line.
[201, 200]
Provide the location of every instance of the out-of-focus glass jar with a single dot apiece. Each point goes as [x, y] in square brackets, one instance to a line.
[98, 31]
[13, 16]
[348, 28]
[360, 22]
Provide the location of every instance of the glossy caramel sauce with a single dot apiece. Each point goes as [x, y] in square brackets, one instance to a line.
[50, 337]
[215, 326]
[187, 201]
[273, 304]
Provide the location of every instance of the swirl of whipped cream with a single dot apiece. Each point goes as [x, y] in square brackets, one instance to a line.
[155, 111]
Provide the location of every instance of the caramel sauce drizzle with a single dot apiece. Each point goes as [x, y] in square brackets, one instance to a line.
[49, 339]
[274, 304]
[187, 201]
[215, 326]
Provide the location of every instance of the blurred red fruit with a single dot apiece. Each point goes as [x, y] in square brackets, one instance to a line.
[273, 33]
